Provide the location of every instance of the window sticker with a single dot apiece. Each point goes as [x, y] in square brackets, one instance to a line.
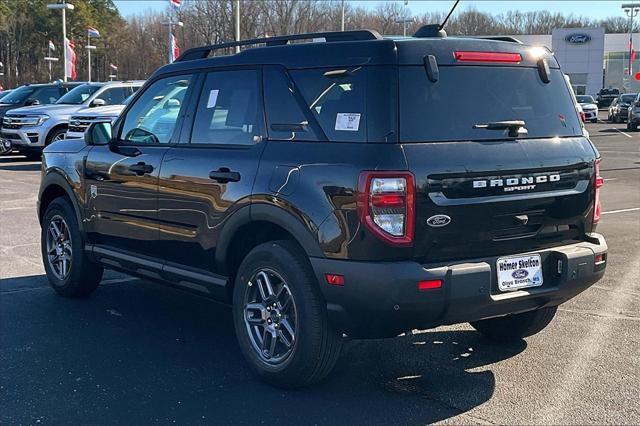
[213, 98]
[348, 121]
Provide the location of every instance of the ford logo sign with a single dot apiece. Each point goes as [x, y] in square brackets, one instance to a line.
[520, 273]
[578, 38]
[438, 221]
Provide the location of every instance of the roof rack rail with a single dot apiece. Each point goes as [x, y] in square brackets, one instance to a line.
[499, 38]
[333, 36]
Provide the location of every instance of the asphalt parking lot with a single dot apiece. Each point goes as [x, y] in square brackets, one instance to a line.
[139, 353]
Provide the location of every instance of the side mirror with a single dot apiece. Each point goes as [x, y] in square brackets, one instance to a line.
[31, 102]
[98, 133]
[97, 102]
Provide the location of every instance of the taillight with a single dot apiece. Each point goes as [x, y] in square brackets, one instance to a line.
[583, 116]
[386, 205]
[597, 184]
[487, 57]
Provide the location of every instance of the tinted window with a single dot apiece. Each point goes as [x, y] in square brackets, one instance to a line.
[80, 94]
[228, 111]
[18, 95]
[285, 115]
[336, 98]
[47, 95]
[627, 98]
[448, 109]
[585, 99]
[153, 117]
[114, 95]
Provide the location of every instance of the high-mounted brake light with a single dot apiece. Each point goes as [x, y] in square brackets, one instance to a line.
[386, 205]
[597, 184]
[504, 57]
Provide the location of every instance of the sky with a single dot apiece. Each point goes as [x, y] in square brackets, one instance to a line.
[590, 9]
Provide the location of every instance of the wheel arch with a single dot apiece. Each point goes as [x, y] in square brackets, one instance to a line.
[59, 126]
[55, 186]
[256, 224]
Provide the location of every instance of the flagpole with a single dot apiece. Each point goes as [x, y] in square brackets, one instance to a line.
[88, 57]
[49, 55]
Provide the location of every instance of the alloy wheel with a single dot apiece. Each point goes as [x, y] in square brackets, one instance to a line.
[59, 251]
[270, 316]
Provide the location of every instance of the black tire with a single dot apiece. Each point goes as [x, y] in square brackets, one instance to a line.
[55, 135]
[595, 120]
[515, 327]
[634, 126]
[82, 276]
[316, 346]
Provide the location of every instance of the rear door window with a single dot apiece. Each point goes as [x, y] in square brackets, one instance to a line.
[447, 110]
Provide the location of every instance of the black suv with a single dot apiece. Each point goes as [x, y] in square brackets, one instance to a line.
[338, 187]
[34, 94]
[605, 97]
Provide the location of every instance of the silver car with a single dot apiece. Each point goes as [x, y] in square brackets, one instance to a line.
[589, 107]
[30, 129]
[81, 120]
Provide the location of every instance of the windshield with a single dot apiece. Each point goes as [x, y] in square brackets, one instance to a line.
[585, 99]
[627, 98]
[448, 109]
[80, 94]
[609, 92]
[18, 95]
[5, 93]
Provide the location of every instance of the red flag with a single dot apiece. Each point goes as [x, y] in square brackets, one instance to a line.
[633, 52]
[174, 3]
[175, 49]
[70, 66]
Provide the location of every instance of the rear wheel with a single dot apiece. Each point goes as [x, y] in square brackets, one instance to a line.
[70, 272]
[280, 317]
[517, 326]
[634, 126]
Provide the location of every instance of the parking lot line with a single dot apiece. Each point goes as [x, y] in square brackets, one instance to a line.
[626, 134]
[622, 210]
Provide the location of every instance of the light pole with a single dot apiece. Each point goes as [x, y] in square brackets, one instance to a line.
[404, 21]
[632, 10]
[237, 4]
[342, 21]
[64, 6]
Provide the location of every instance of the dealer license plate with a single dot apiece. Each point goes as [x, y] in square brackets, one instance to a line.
[519, 272]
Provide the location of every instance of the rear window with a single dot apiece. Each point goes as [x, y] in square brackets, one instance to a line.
[462, 97]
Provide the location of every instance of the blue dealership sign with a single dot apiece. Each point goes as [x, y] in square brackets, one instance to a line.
[578, 38]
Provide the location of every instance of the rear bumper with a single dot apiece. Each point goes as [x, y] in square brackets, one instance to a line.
[381, 299]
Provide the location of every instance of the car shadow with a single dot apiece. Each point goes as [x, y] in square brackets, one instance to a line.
[137, 352]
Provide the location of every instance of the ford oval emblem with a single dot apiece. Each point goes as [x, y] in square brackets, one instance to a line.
[520, 273]
[578, 38]
[439, 220]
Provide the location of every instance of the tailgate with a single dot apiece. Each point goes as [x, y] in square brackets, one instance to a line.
[492, 198]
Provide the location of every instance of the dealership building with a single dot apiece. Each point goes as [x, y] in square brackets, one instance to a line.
[591, 58]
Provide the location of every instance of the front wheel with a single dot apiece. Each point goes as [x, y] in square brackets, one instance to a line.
[280, 317]
[516, 326]
[634, 126]
[70, 272]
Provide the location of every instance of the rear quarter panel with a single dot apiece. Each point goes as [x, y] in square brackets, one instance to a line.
[317, 183]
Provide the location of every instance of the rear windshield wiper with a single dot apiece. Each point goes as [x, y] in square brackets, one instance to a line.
[516, 127]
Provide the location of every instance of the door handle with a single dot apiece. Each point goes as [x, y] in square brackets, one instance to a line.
[141, 168]
[224, 175]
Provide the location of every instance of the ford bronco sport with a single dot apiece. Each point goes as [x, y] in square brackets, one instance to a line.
[332, 188]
